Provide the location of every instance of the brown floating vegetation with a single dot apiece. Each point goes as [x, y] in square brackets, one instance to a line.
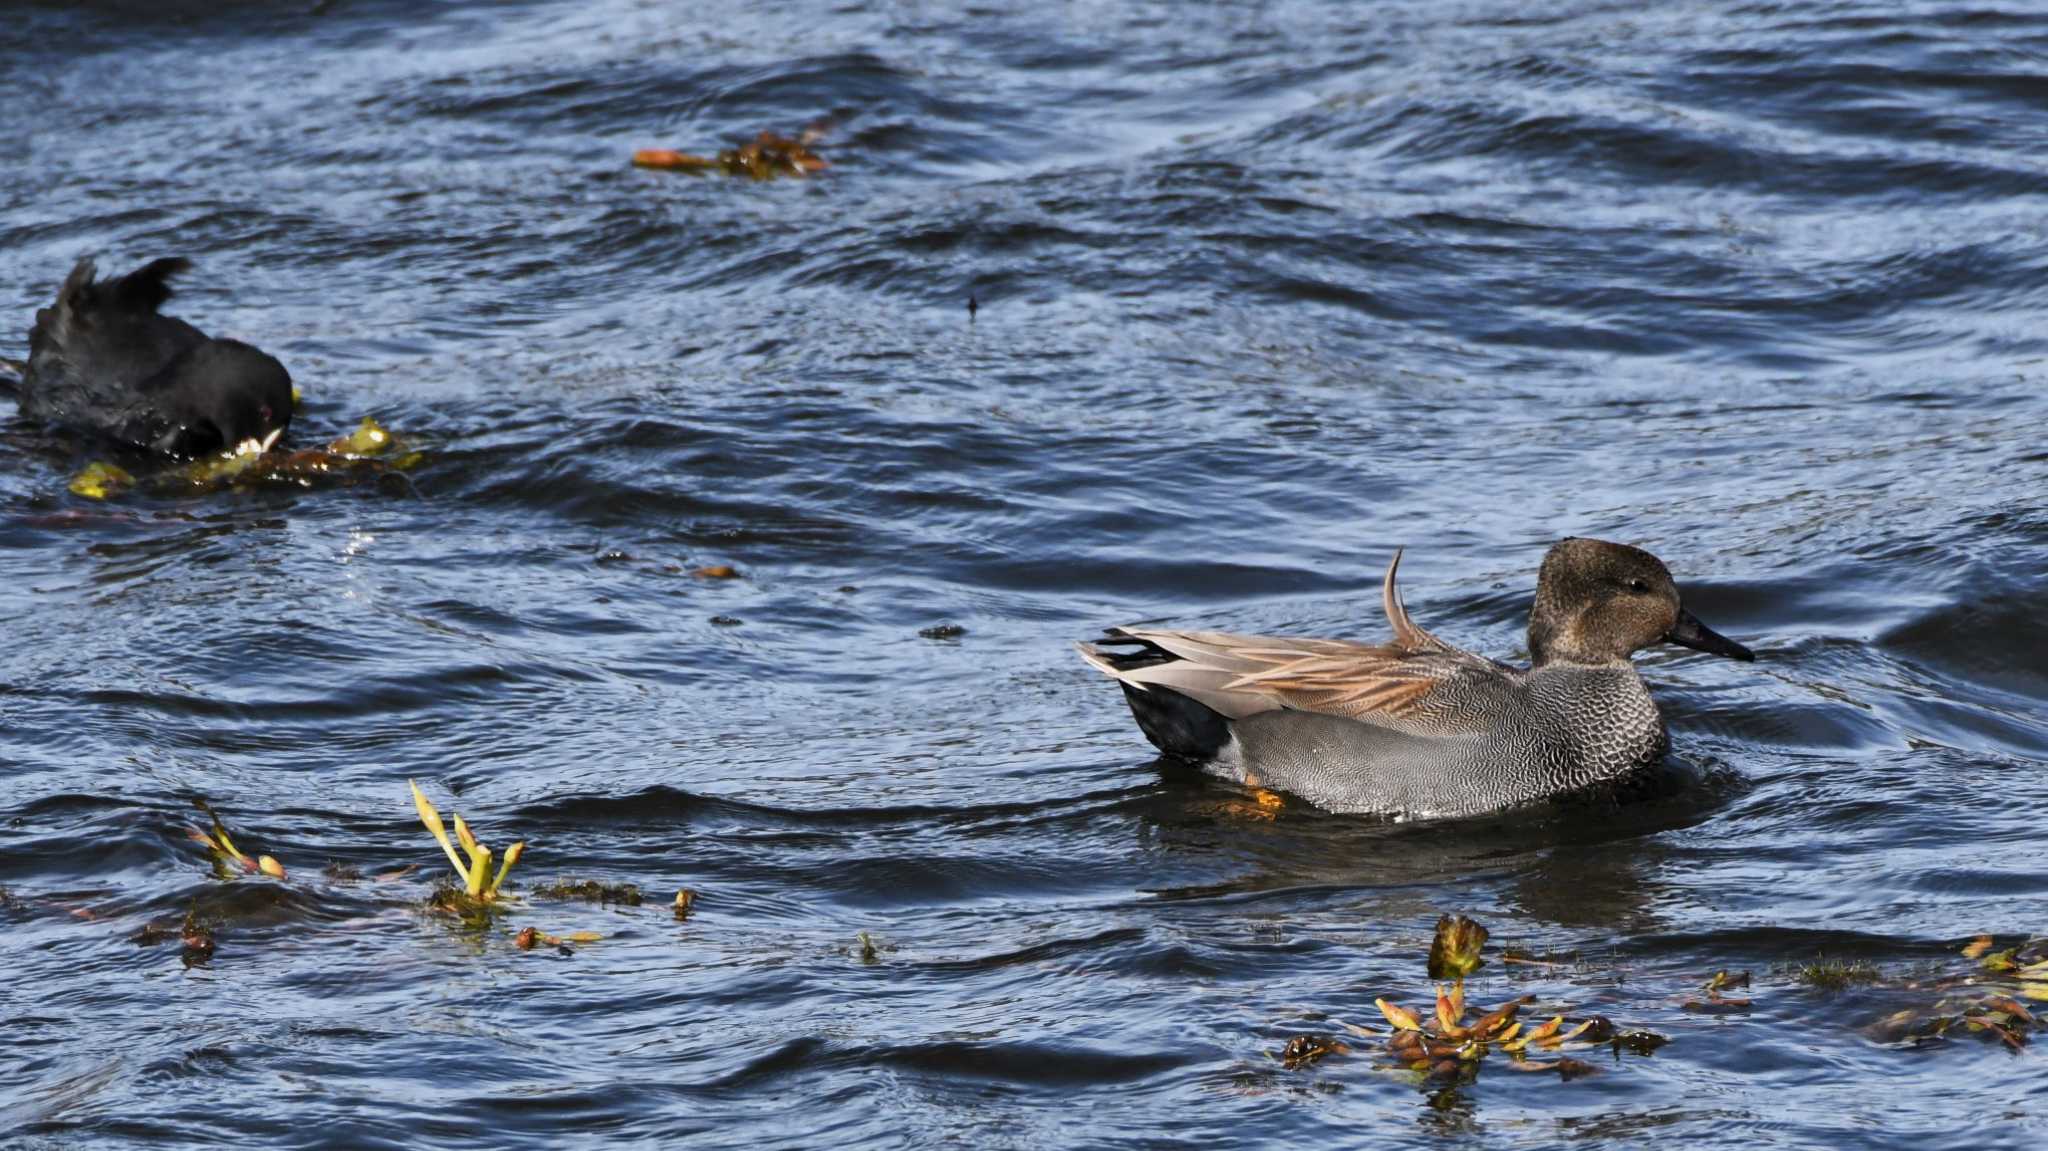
[1454, 953]
[1446, 1047]
[197, 938]
[1985, 1003]
[1716, 1001]
[765, 157]
[195, 935]
[532, 937]
[1303, 1050]
[369, 449]
[1996, 1016]
[1722, 981]
[590, 891]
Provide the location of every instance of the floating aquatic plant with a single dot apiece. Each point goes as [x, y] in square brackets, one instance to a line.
[1454, 951]
[1993, 1016]
[229, 860]
[369, 447]
[1303, 1050]
[1837, 974]
[196, 936]
[225, 466]
[1444, 1045]
[763, 158]
[1984, 1003]
[532, 937]
[1718, 1001]
[590, 891]
[101, 480]
[477, 883]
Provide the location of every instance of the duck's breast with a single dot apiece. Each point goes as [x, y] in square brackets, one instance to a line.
[1604, 715]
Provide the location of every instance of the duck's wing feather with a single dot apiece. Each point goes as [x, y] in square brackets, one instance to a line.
[1392, 684]
[1241, 675]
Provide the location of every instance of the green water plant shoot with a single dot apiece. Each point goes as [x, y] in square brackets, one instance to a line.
[228, 860]
[477, 881]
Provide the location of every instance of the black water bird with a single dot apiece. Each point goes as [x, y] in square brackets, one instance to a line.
[103, 359]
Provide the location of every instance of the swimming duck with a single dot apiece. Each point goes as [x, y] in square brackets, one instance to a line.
[1416, 727]
[104, 360]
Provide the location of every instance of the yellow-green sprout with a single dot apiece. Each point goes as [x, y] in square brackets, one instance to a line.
[476, 874]
[225, 852]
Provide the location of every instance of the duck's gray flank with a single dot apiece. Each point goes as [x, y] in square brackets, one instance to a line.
[1416, 726]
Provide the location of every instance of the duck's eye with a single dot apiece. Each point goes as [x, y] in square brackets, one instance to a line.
[1639, 587]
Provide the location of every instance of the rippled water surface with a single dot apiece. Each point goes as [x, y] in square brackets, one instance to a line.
[1265, 291]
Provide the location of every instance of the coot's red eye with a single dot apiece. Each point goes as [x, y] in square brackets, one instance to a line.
[264, 411]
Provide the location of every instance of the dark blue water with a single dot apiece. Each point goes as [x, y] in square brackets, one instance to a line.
[1265, 290]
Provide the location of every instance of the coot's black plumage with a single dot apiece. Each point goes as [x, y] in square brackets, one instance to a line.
[104, 360]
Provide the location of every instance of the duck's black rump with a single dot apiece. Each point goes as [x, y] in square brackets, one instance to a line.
[105, 360]
[1175, 724]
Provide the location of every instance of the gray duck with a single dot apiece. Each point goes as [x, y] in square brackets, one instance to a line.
[1416, 727]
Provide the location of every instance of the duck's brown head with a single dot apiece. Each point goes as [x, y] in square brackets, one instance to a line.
[1598, 602]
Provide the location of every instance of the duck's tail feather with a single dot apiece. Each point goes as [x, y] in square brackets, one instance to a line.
[1157, 664]
[1177, 724]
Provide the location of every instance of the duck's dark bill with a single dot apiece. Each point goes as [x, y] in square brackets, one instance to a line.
[1690, 632]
